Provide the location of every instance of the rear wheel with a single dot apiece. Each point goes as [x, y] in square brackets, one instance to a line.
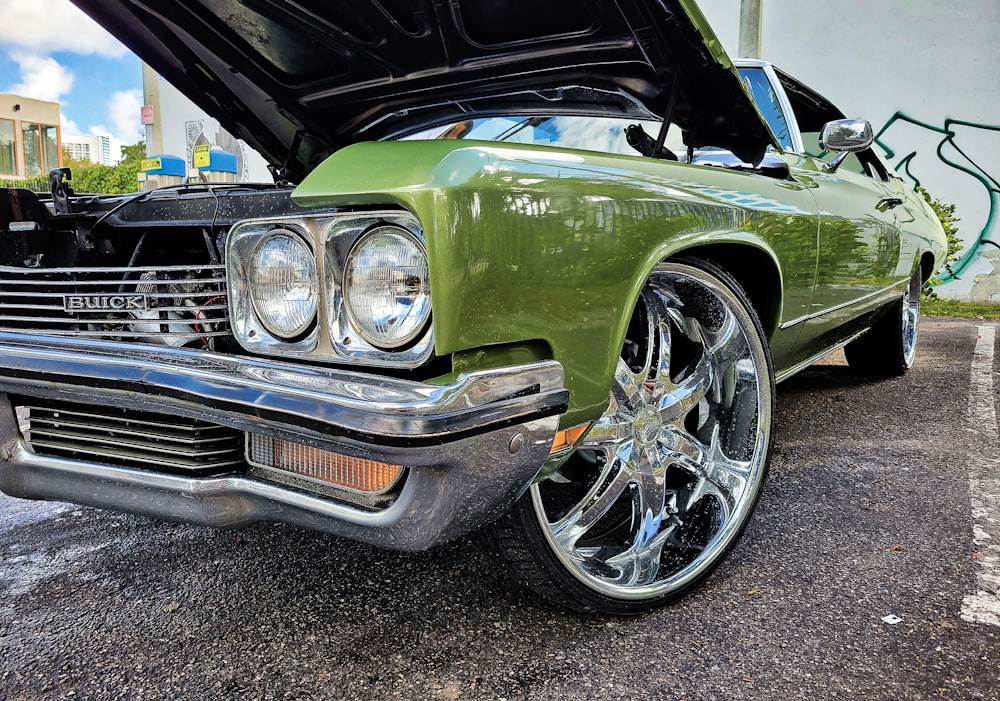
[888, 348]
[665, 481]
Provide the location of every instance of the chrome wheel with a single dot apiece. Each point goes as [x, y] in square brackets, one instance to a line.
[662, 485]
[910, 307]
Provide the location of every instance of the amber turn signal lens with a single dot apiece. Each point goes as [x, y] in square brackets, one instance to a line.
[565, 439]
[345, 471]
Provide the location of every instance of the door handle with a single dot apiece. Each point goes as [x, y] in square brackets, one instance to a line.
[887, 203]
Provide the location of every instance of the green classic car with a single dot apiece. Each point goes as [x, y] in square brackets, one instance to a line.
[531, 269]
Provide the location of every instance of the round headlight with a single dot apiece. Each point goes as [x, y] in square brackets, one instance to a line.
[283, 283]
[386, 291]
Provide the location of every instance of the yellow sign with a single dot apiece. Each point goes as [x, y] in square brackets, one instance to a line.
[152, 164]
[202, 157]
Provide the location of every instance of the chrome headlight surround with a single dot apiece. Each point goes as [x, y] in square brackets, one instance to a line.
[349, 338]
[386, 289]
[334, 337]
[284, 284]
[246, 241]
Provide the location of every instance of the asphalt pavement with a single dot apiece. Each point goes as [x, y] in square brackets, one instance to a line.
[881, 505]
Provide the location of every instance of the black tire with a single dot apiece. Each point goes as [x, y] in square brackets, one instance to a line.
[662, 486]
[888, 348]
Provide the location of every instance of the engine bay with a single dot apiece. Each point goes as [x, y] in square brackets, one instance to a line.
[146, 267]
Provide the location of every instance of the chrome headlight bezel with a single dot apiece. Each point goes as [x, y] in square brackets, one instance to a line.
[250, 331]
[334, 337]
[410, 323]
[267, 316]
[348, 341]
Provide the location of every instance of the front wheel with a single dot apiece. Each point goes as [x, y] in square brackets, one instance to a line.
[661, 487]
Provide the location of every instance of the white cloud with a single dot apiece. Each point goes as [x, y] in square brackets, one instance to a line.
[54, 25]
[32, 30]
[68, 126]
[42, 78]
[123, 113]
[124, 110]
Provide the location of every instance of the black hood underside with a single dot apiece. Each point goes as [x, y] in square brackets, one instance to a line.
[300, 79]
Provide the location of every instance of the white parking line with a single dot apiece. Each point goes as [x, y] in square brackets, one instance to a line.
[984, 484]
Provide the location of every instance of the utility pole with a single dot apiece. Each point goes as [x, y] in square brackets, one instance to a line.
[750, 11]
[151, 98]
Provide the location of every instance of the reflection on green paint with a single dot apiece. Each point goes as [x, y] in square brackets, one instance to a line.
[976, 171]
[539, 252]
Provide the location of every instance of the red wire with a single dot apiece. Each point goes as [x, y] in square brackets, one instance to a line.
[198, 315]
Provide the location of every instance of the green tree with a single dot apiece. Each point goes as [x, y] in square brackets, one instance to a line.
[123, 177]
[946, 215]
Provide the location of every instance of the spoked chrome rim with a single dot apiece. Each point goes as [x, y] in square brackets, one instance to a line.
[911, 315]
[664, 481]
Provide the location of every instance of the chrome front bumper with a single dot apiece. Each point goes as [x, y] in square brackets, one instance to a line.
[470, 446]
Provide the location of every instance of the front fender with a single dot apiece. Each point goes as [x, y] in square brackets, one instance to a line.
[534, 243]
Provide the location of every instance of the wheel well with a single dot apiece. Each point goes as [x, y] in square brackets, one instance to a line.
[926, 267]
[756, 273]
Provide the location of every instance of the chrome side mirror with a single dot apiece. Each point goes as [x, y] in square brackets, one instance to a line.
[845, 136]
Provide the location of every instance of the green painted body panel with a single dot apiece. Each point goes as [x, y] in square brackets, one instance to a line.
[536, 249]
[866, 254]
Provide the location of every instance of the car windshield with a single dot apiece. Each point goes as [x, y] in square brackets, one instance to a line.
[602, 134]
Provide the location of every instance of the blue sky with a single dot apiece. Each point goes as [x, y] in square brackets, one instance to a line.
[67, 58]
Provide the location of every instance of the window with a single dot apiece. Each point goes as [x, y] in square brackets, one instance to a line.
[812, 111]
[8, 163]
[767, 102]
[603, 134]
[32, 149]
[41, 148]
[50, 147]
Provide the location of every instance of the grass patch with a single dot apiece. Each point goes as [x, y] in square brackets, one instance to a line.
[964, 310]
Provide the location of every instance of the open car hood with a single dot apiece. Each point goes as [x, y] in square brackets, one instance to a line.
[299, 79]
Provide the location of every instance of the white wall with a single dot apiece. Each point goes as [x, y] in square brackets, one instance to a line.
[185, 124]
[929, 60]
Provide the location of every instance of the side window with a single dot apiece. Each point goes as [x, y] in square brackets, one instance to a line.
[767, 102]
[812, 111]
[873, 165]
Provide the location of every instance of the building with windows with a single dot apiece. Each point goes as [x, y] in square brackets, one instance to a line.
[95, 148]
[29, 137]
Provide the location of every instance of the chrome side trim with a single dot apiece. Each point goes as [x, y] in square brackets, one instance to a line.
[795, 369]
[327, 408]
[837, 308]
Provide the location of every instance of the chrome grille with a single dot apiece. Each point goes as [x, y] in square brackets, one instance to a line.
[128, 438]
[179, 304]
